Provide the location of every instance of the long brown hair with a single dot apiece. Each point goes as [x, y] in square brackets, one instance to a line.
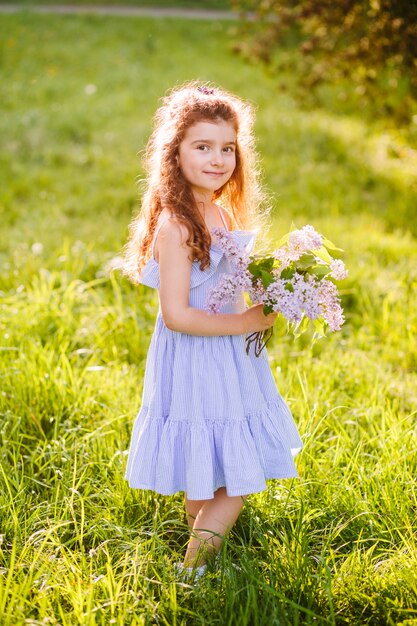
[166, 187]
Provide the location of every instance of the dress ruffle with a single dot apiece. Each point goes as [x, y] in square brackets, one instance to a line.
[150, 273]
[198, 458]
[202, 427]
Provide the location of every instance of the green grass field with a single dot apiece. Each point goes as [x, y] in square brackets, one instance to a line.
[77, 545]
[186, 4]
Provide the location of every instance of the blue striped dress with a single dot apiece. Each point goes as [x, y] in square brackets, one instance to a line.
[211, 415]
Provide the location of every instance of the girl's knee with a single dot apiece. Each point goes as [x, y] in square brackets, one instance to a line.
[221, 491]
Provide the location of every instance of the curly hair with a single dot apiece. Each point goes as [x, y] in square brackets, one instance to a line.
[166, 186]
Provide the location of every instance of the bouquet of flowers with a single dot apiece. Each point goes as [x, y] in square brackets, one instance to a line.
[296, 280]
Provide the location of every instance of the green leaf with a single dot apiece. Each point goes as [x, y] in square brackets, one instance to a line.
[305, 261]
[330, 246]
[260, 264]
[254, 269]
[319, 326]
[301, 328]
[283, 241]
[287, 273]
[320, 271]
[267, 278]
[322, 254]
[267, 263]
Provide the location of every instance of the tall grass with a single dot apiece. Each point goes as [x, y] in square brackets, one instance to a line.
[77, 546]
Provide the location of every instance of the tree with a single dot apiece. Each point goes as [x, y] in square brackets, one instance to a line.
[370, 42]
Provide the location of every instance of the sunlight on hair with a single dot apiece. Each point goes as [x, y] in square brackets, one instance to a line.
[166, 187]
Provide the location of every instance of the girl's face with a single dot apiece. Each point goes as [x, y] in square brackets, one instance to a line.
[207, 155]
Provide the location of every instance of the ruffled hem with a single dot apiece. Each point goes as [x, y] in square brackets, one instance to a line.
[198, 457]
[150, 273]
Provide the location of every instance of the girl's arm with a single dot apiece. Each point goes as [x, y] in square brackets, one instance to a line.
[175, 272]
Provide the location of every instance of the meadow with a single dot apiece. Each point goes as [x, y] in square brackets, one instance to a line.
[77, 545]
[186, 4]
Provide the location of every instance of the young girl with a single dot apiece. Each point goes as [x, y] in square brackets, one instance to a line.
[212, 423]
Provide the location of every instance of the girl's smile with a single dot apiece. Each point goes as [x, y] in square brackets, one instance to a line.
[207, 155]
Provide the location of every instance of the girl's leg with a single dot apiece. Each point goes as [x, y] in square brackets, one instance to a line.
[214, 520]
[192, 507]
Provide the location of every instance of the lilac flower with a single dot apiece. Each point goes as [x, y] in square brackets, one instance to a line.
[303, 291]
[283, 301]
[330, 307]
[257, 292]
[230, 286]
[223, 293]
[295, 298]
[237, 256]
[281, 254]
[338, 270]
[227, 290]
[306, 288]
[305, 239]
[299, 242]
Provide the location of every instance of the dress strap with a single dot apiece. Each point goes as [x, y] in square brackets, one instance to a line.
[158, 228]
[222, 216]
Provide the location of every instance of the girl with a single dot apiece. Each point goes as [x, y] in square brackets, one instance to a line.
[212, 423]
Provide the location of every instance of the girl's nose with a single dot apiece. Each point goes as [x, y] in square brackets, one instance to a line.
[217, 158]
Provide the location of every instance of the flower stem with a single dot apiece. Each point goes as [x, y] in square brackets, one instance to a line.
[260, 338]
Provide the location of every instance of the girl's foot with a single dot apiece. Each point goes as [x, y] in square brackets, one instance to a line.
[190, 572]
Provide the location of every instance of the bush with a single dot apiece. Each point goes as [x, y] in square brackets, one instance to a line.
[372, 43]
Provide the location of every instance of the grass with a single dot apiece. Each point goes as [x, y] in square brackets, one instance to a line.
[185, 4]
[77, 546]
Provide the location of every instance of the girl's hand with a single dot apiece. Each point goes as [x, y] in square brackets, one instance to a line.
[255, 320]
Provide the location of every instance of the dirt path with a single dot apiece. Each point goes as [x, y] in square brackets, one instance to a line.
[173, 12]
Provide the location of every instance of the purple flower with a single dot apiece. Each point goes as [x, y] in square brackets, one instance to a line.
[297, 295]
[304, 239]
[223, 293]
[283, 301]
[295, 298]
[338, 270]
[237, 256]
[330, 307]
[299, 242]
[230, 286]
[256, 292]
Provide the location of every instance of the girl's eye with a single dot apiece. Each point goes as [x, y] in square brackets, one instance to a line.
[204, 147]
